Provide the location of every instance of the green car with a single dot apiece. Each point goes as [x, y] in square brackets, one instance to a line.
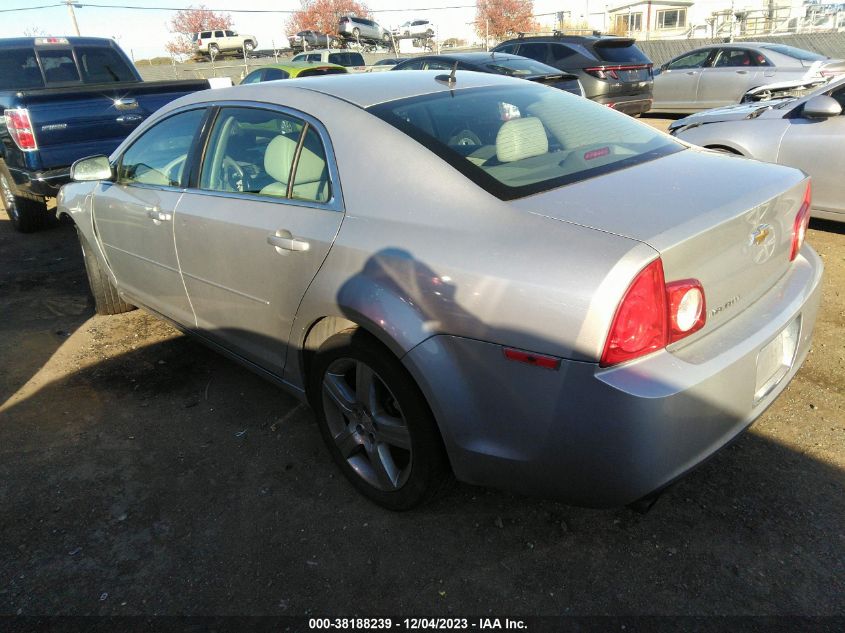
[290, 70]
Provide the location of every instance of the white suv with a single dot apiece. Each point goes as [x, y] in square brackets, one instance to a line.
[213, 43]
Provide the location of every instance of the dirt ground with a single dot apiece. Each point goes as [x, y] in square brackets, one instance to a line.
[141, 473]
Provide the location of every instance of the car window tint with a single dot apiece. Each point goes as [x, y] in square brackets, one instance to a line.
[695, 59]
[158, 156]
[540, 52]
[620, 53]
[562, 54]
[19, 69]
[518, 140]
[731, 57]
[299, 58]
[230, 33]
[311, 72]
[271, 74]
[205, 35]
[313, 57]
[506, 48]
[435, 64]
[253, 78]
[218, 33]
[414, 65]
[58, 66]
[103, 65]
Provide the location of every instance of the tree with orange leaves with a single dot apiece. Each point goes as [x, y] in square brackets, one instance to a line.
[323, 15]
[504, 18]
[193, 20]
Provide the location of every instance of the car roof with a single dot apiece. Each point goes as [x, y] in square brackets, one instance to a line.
[17, 42]
[579, 39]
[359, 89]
[475, 57]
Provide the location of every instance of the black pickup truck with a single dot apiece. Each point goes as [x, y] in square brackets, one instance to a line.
[61, 99]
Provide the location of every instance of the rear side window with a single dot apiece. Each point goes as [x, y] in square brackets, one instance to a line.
[19, 69]
[346, 59]
[516, 141]
[562, 54]
[263, 153]
[159, 155]
[103, 65]
[58, 66]
[540, 52]
[620, 53]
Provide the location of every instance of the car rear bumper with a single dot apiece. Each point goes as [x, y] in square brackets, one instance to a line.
[40, 184]
[607, 437]
[632, 105]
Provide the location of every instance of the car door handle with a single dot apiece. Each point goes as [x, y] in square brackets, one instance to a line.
[157, 215]
[285, 241]
[692, 72]
[742, 72]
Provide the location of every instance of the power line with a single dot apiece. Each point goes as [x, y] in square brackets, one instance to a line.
[162, 8]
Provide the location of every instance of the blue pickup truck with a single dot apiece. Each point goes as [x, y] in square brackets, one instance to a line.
[61, 99]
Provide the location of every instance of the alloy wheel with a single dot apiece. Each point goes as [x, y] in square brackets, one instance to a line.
[366, 423]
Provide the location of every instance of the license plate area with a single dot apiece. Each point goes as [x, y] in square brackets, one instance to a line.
[776, 358]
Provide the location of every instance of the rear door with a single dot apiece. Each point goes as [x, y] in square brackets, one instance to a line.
[731, 73]
[257, 227]
[676, 87]
[133, 216]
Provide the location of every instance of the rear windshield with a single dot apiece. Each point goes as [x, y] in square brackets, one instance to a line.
[518, 140]
[310, 72]
[103, 65]
[19, 69]
[520, 67]
[620, 53]
[796, 53]
[346, 59]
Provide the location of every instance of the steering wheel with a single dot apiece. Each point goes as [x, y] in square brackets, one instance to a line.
[465, 137]
[170, 171]
[232, 175]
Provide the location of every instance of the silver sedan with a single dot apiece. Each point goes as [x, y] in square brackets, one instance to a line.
[807, 133]
[723, 74]
[559, 305]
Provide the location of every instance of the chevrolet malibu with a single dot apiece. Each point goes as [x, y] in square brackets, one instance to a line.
[464, 274]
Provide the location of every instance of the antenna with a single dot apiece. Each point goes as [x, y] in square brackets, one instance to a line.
[449, 79]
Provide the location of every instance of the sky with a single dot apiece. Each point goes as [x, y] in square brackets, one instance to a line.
[143, 33]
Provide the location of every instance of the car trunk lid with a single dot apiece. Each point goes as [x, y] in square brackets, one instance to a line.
[722, 220]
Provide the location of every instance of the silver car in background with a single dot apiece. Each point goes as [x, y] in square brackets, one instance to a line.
[807, 133]
[564, 307]
[723, 74]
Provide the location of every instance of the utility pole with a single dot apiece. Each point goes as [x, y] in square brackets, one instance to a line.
[69, 4]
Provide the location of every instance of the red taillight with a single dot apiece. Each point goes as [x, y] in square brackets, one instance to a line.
[199, 42]
[639, 326]
[799, 226]
[20, 129]
[612, 72]
[653, 314]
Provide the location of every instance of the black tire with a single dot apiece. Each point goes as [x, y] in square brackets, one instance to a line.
[26, 216]
[106, 298]
[422, 469]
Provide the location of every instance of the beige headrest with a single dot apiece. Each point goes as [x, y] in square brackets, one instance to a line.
[278, 158]
[521, 138]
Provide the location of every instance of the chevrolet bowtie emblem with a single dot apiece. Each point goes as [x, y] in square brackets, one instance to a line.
[761, 234]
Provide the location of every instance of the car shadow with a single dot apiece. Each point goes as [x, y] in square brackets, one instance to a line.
[829, 226]
[166, 479]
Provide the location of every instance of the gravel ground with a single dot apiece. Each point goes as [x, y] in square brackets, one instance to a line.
[141, 473]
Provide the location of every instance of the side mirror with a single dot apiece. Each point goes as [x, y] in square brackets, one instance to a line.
[822, 107]
[91, 168]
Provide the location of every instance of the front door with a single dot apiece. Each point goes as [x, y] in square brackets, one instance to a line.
[817, 146]
[256, 230]
[133, 216]
[677, 84]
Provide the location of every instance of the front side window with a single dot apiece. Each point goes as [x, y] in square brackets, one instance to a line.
[58, 66]
[159, 155]
[672, 19]
[264, 153]
[696, 59]
[230, 33]
[516, 141]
